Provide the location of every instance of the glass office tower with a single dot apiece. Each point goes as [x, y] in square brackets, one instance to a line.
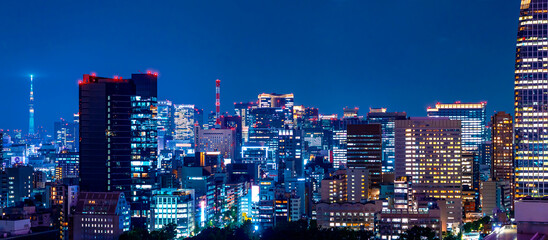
[473, 120]
[531, 100]
[387, 121]
[118, 138]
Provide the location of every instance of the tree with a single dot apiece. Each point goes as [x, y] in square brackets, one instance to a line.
[168, 232]
[135, 234]
[419, 233]
[450, 236]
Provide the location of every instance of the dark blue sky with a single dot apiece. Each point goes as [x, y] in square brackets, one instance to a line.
[404, 55]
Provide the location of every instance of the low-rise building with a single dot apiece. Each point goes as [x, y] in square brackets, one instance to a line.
[100, 215]
[531, 216]
[176, 206]
[357, 216]
[10, 228]
[391, 223]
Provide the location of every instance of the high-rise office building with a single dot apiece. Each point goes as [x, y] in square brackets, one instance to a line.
[531, 103]
[243, 110]
[428, 151]
[386, 119]
[264, 126]
[472, 117]
[364, 149]
[118, 138]
[184, 121]
[31, 108]
[234, 123]
[65, 134]
[339, 148]
[502, 167]
[282, 101]
[144, 146]
[350, 112]
[276, 100]
[220, 141]
[289, 154]
[199, 116]
[66, 165]
[166, 122]
[18, 183]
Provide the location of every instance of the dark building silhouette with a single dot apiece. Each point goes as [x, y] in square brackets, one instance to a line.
[364, 149]
[118, 138]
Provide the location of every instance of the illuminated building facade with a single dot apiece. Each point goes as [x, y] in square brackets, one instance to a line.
[289, 154]
[357, 184]
[166, 124]
[502, 167]
[339, 148]
[472, 117]
[364, 149]
[242, 109]
[31, 108]
[100, 215]
[17, 184]
[64, 196]
[144, 146]
[65, 134]
[184, 121]
[356, 216]
[173, 206]
[274, 100]
[265, 206]
[470, 179]
[387, 121]
[333, 188]
[282, 101]
[350, 112]
[221, 141]
[118, 138]
[67, 165]
[264, 126]
[258, 154]
[394, 222]
[531, 112]
[428, 150]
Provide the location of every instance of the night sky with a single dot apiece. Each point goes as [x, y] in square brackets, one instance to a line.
[404, 55]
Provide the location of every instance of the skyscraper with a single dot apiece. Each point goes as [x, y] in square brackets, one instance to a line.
[387, 121]
[531, 101]
[283, 101]
[31, 108]
[166, 122]
[364, 149]
[472, 118]
[184, 122]
[65, 134]
[502, 167]
[428, 150]
[118, 141]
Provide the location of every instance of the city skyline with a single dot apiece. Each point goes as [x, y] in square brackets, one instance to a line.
[337, 119]
[356, 66]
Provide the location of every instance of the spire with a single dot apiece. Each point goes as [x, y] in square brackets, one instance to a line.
[31, 108]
